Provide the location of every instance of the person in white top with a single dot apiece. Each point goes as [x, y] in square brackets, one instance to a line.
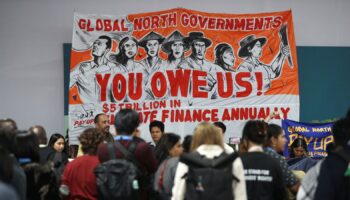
[208, 142]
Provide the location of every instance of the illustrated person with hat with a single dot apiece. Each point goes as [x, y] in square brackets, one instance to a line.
[84, 74]
[197, 61]
[152, 63]
[251, 50]
[151, 43]
[175, 46]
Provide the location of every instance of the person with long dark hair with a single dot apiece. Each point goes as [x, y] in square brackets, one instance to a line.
[298, 156]
[275, 145]
[167, 152]
[125, 58]
[41, 178]
[224, 57]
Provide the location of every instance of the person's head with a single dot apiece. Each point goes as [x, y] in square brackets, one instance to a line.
[186, 144]
[168, 145]
[126, 121]
[151, 42]
[199, 44]
[90, 139]
[251, 46]
[341, 132]
[224, 56]
[276, 137]
[127, 50]
[8, 124]
[177, 50]
[221, 126]
[254, 133]
[29, 146]
[298, 148]
[175, 46]
[199, 49]
[8, 139]
[102, 122]
[156, 128]
[152, 48]
[206, 133]
[57, 142]
[40, 132]
[101, 46]
[128, 46]
[6, 166]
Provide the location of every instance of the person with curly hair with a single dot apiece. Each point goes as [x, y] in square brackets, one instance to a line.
[81, 170]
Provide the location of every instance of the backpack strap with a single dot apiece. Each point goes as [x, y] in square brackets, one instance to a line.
[127, 152]
[111, 151]
[196, 160]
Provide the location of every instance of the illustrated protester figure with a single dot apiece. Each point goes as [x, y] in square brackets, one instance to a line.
[84, 74]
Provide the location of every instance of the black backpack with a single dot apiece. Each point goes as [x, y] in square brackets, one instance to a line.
[117, 178]
[209, 178]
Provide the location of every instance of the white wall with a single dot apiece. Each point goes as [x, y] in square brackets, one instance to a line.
[32, 33]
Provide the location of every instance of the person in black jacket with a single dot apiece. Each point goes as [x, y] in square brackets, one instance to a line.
[263, 174]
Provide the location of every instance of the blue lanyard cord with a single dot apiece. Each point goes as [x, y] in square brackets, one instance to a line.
[123, 137]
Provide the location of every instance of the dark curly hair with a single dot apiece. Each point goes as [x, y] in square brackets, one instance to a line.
[90, 139]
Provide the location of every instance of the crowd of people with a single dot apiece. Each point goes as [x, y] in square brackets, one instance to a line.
[199, 166]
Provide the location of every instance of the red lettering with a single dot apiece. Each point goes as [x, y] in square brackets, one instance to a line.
[158, 79]
[89, 28]
[138, 24]
[220, 23]
[119, 87]
[202, 21]
[244, 83]
[179, 81]
[221, 85]
[197, 83]
[99, 25]
[155, 22]
[116, 25]
[184, 19]
[250, 23]
[211, 23]
[102, 82]
[82, 23]
[135, 90]
[108, 25]
[277, 21]
[125, 29]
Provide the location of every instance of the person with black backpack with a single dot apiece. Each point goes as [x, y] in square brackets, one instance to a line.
[128, 164]
[208, 172]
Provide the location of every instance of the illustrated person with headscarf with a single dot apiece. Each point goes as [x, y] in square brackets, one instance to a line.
[251, 51]
[84, 75]
[224, 57]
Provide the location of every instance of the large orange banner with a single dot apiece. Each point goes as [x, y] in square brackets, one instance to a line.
[182, 67]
